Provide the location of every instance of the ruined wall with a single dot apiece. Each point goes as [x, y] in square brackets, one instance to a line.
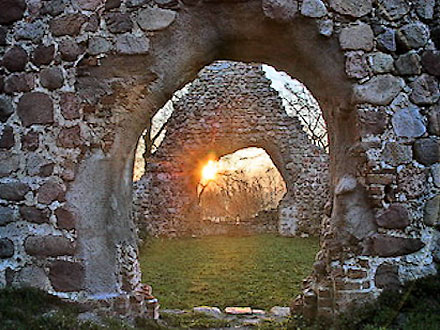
[78, 79]
[230, 106]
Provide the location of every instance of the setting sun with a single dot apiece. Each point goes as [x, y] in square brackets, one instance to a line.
[209, 171]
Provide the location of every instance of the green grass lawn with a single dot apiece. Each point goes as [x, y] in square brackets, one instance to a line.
[260, 271]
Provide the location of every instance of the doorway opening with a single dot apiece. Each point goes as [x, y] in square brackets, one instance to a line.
[239, 193]
[234, 162]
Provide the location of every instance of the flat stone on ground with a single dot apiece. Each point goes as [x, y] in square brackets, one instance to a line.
[238, 310]
[211, 311]
[279, 311]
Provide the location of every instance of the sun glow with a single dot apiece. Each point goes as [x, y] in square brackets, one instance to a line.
[209, 171]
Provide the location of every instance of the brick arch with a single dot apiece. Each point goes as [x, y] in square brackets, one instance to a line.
[230, 106]
[82, 78]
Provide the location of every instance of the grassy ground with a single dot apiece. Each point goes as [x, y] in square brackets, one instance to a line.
[416, 307]
[260, 271]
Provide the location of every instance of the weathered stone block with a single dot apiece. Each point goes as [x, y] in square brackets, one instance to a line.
[425, 8]
[427, 151]
[93, 24]
[19, 82]
[118, 22]
[30, 276]
[53, 7]
[65, 218]
[395, 217]
[7, 140]
[355, 37]
[6, 215]
[43, 55]
[325, 27]
[381, 62]
[393, 9]
[35, 108]
[11, 10]
[69, 137]
[431, 62]
[155, 19]
[386, 41]
[15, 59]
[435, 172]
[66, 276]
[408, 64]
[52, 78]
[379, 90]
[387, 277]
[431, 214]
[211, 311]
[70, 106]
[129, 44]
[112, 4]
[434, 120]
[9, 163]
[30, 31]
[6, 248]
[51, 191]
[68, 173]
[280, 10]
[389, 246]
[87, 4]
[356, 65]
[413, 35]
[33, 214]
[70, 50]
[313, 8]
[67, 25]
[98, 45]
[13, 191]
[46, 170]
[425, 90]
[408, 122]
[34, 163]
[396, 154]
[352, 7]
[135, 3]
[49, 246]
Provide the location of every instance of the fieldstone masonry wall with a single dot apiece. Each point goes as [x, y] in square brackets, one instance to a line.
[230, 106]
[79, 78]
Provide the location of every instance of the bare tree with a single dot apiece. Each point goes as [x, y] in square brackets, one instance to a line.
[233, 194]
[302, 105]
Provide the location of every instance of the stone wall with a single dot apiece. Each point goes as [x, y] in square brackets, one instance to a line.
[230, 106]
[79, 79]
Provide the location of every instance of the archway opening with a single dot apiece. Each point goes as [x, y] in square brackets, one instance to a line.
[234, 159]
[240, 193]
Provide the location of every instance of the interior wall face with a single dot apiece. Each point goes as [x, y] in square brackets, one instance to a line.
[80, 78]
[230, 106]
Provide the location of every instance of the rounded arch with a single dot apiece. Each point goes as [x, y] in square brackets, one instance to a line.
[231, 106]
[128, 71]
